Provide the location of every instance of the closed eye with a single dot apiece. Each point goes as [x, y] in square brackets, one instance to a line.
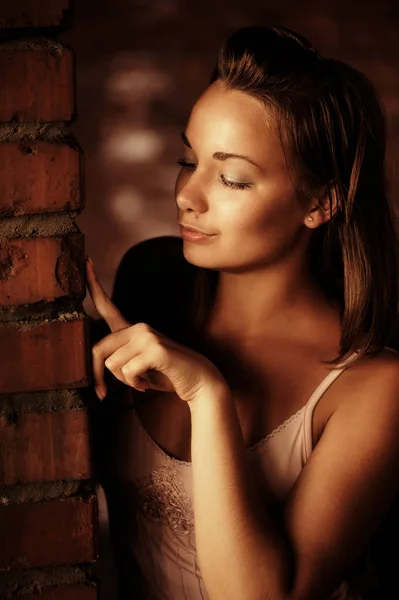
[234, 185]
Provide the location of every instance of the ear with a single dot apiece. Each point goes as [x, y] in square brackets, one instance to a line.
[322, 208]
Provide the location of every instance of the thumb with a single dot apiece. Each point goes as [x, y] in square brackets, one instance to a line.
[102, 302]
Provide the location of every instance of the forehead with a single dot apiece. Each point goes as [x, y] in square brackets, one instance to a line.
[233, 121]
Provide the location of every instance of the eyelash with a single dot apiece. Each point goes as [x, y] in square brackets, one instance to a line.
[230, 184]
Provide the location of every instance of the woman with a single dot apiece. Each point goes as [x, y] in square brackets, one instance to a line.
[264, 458]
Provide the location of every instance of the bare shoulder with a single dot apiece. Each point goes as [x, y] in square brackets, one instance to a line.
[368, 394]
[374, 373]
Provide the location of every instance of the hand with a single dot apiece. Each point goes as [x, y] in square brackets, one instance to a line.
[143, 358]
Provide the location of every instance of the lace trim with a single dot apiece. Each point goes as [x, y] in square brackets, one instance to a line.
[250, 449]
[278, 429]
[162, 497]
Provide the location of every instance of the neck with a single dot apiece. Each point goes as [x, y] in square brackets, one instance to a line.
[274, 303]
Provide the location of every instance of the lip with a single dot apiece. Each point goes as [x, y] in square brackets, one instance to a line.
[189, 228]
[195, 236]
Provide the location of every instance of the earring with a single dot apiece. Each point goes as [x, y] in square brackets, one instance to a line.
[310, 218]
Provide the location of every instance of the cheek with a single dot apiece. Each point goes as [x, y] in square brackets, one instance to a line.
[263, 226]
[260, 214]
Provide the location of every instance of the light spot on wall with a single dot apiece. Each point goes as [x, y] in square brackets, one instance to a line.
[135, 77]
[134, 145]
[127, 205]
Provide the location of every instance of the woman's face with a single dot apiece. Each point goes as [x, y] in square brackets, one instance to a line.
[250, 204]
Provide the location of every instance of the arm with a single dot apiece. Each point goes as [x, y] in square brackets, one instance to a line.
[339, 500]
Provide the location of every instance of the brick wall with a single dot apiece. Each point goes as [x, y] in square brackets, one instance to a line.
[48, 506]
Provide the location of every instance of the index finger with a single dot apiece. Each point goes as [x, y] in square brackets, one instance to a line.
[102, 302]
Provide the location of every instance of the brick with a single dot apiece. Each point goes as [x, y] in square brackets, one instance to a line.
[41, 268]
[39, 177]
[36, 86]
[45, 447]
[51, 533]
[32, 13]
[46, 356]
[67, 592]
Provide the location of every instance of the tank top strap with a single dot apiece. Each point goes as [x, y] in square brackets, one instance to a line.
[318, 393]
[315, 397]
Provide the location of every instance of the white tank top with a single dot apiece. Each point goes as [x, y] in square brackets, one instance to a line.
[161, 534]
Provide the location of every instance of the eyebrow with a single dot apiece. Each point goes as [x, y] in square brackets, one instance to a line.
[222, 155]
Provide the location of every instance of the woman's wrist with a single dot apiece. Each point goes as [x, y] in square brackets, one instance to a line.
[217, 395]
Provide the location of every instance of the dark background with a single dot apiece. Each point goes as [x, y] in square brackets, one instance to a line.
[140, 66]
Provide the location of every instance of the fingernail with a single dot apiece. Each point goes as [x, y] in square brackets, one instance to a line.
[89, 260]
[100, 393]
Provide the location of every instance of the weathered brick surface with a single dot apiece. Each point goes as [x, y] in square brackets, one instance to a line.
[37, 177]
[43, 455]
[45, 447]
[46, 356]
[36, 86]
[55, 532]
[41, 268]
[67, 592]
[32, 13]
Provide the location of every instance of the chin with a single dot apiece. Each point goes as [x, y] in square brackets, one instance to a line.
[201, 256]
[208, 259]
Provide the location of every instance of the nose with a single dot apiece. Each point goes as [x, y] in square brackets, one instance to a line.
[189, 193]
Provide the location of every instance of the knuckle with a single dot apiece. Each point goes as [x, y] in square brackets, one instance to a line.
[142, 327]
[126, 373]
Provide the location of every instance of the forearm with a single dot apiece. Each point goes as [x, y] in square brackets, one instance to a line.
[240, 552]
